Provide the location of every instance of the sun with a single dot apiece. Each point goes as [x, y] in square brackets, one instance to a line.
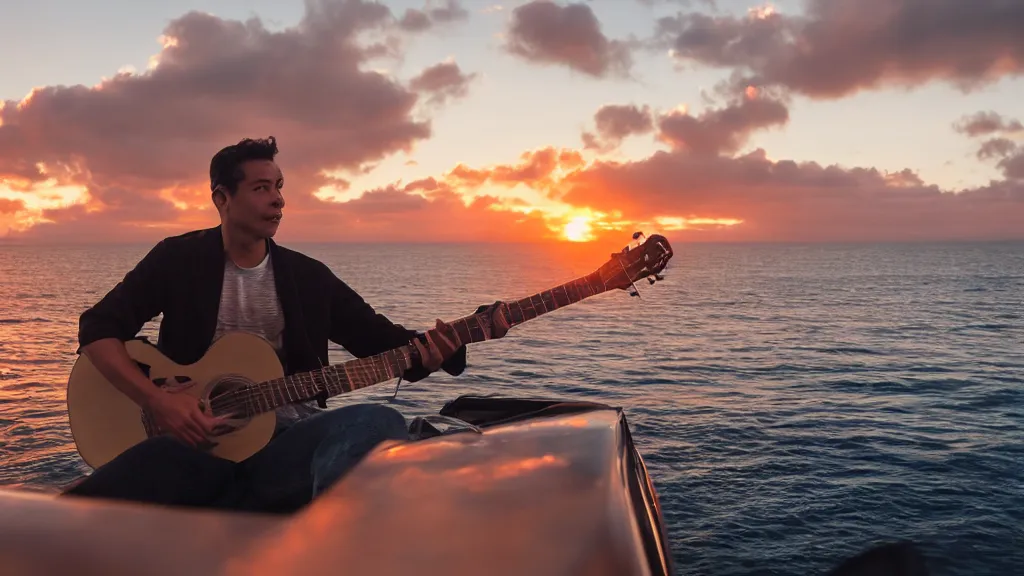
[578, 229]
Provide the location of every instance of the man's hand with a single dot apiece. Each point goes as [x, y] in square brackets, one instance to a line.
[179, 415]
[498, 315]
[441, 344]
[443, 341]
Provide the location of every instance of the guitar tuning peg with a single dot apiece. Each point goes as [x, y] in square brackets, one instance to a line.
[651, 279]
[634, 293]
[638, 238]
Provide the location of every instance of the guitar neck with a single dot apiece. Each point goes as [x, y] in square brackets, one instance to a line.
[477, 328]
[360, 373]
[333, 380]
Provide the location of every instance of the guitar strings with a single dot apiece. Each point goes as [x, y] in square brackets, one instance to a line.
[364, 370]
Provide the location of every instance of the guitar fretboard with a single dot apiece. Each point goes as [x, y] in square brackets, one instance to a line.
[475, 328]
[257, 398]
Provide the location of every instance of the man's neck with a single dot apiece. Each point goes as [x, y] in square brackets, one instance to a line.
[244, 250]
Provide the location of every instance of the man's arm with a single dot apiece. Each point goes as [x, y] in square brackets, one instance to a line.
[118, 317]
[135, 300]
[357, 327]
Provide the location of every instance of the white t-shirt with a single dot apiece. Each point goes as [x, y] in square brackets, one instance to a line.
[249, 303]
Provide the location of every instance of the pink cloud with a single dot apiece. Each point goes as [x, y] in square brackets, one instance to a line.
[137, 142]
[443, 82]
[1008, 154]
[841, 46]
[614, 123]
[721, 129]
[547, 33]
[988, 122]
[414, 20]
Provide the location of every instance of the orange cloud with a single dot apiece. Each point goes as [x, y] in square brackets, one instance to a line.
[8, 206]
[393, 214]
[537, 169]
[789, 201]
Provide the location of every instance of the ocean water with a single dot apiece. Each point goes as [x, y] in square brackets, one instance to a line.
[795, 404]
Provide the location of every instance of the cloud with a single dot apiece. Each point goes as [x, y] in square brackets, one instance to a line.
[547, 33]
[386, 201]
[425, 210]
[126, 159]
[1013, 166]
[443, 82]
[685, 3]
[983, 123]
[996, 148]
[451, 207]
[721, 129]
[1009, 154]
[138, 145]
[414, 20]
[715, 131]
[701, 189]
[841, 46]
[616, 122]
[789, 201]
[536, 169]
[11, 206]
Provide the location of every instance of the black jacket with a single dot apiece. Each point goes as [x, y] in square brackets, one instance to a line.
[182, 277]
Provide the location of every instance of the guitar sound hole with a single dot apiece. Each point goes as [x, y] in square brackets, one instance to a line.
[227, 397]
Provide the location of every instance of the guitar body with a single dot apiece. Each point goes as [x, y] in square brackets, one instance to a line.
[104, 422]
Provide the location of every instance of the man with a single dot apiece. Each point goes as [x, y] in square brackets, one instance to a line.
[235, 277]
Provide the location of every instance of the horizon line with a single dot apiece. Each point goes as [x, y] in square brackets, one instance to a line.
[64, 242]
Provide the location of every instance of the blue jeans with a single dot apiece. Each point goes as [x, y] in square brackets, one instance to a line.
[293, 468]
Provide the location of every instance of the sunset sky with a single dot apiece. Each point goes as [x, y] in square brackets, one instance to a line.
[724, 120]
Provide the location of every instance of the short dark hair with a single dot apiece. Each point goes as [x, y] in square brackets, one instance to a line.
[226, 165]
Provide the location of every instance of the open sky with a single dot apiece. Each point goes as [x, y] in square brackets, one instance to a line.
[405, 120]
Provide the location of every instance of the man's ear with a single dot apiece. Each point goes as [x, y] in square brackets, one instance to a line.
[220, 197]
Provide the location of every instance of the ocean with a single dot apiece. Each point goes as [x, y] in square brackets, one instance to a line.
[795, 404]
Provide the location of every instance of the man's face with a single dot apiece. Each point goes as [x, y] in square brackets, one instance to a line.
[257, 206]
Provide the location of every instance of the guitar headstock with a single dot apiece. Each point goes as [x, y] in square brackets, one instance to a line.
[644, 259]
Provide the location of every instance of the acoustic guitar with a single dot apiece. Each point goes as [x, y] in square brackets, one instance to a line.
[240, 375]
